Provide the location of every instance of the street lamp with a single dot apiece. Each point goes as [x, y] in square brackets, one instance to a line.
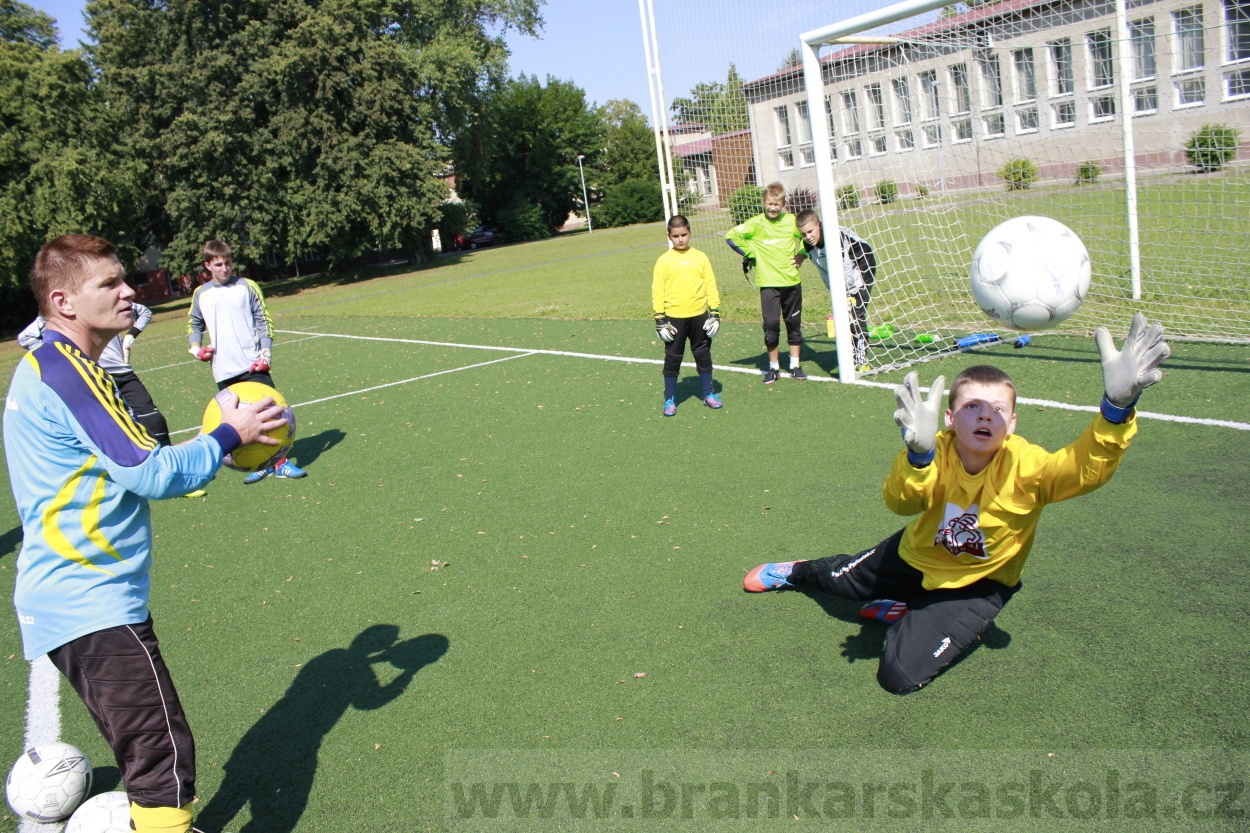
[589, 228]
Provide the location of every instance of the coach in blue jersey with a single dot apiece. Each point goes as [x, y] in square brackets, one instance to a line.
[82, 471]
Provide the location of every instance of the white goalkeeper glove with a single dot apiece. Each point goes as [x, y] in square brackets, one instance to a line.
[918, 417]
[712, 325]
[1129, 371]
[664, 328]
[128, 341]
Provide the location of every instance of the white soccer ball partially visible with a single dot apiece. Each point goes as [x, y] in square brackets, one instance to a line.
[1030, 273]
[48, 782]
[103, 813]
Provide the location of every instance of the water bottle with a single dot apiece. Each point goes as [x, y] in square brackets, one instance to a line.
[976, 339]
[925, 338]
[1022, 341]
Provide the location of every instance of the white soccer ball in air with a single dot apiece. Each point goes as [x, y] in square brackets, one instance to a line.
[1030, 273]
[48, 782]
[103, 813]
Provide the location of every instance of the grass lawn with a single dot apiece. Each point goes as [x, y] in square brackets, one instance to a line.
[508, 594]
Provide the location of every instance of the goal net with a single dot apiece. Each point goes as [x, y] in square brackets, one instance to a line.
[921, 127]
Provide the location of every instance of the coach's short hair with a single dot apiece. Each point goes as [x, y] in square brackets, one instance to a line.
[775, 189]
[981, 374]
[678, 221]
[63, 264]
[805, 215]
[216, 248]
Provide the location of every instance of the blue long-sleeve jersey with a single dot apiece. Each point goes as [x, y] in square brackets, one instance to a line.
[82, 472]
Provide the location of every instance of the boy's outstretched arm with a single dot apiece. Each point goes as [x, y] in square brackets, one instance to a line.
[919, 417]
[1132, 369]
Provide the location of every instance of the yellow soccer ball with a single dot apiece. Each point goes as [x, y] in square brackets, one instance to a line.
[254, 456]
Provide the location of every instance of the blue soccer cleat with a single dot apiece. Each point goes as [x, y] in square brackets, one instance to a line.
[713, 401]
[257, 476]
[884, 610]
[289, 470]
[670, 407]
[769, 576]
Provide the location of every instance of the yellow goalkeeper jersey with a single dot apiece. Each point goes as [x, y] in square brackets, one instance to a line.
[979, 526]
[682, 284]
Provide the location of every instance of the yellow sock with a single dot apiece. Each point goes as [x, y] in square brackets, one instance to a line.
[161, 819]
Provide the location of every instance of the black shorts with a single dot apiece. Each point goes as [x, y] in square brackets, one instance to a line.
[940, 624]
[247, 376]
[145, 412]
[122, 679]
[688, 329]
[782, 303]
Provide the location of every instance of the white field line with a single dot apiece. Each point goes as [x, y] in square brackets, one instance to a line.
[43, 720]
[1046, 403]
[386, 385]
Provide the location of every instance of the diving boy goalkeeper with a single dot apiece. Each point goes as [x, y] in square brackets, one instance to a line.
[978, 491]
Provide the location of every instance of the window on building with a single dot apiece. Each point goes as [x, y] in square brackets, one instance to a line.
[902, 100]
[1190, 41]
[854, 149]
[930, 95]
[960, 88]
[905, 139]
[1141, 36]
[1101, 64]
[932, 134]
[995, 124]
[1237, 34]
[781, 127]
[833, 127]
[1063, 114]
[807, 156]
[1101, 107]
[1063, 82]
[1146, 100]
[1026, 75]
[1191, 92]
[876, 107]
[991, 82]
[1026, 120]
[850, 112]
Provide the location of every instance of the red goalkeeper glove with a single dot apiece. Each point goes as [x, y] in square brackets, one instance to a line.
[262, 363]
[204, 354]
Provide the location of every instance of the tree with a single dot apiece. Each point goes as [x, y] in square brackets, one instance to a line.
[519, 164]
[60, 171]
[290, 126]
[794, 59]
[629, 146]
[720, 108]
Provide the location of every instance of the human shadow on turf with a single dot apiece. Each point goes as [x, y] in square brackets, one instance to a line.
[11, 541]
[273, 767]
[308, 449]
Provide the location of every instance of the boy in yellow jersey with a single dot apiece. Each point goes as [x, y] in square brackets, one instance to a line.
[978, 490]
[687, 307]
[770, 242]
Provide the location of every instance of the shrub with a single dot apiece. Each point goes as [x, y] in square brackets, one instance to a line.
[745, 203]
[629, 202]
[887, 191]
[1212, 147]
[922, 190]
[454, 219]
[802, 199]
[1019, 174]
[1088, 172]
[848, 197]
[523, 221]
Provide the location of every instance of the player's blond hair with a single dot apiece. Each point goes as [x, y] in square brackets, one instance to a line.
[64, 263]
[774, 190]
[980, 374]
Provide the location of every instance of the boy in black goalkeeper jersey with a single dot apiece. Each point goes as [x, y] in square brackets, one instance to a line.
[978, 490]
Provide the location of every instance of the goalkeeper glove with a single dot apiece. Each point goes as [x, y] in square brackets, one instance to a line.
[128, 341]
[712, 325]
[263, 362]
[664, 328]
[918, 417]
[747, 263]
[1127, 372]
[204, 354]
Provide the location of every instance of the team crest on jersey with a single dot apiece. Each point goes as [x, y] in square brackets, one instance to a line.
[960, 534]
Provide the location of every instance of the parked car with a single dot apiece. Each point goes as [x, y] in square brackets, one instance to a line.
[483, 236]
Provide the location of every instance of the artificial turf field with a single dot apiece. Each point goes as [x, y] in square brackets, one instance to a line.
[508, 594]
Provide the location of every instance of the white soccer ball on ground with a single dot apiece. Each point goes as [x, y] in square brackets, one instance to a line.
[48, 782]
[103, 813]
[1030, 273]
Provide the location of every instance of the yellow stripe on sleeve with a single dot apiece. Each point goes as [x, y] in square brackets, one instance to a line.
[101, 384]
